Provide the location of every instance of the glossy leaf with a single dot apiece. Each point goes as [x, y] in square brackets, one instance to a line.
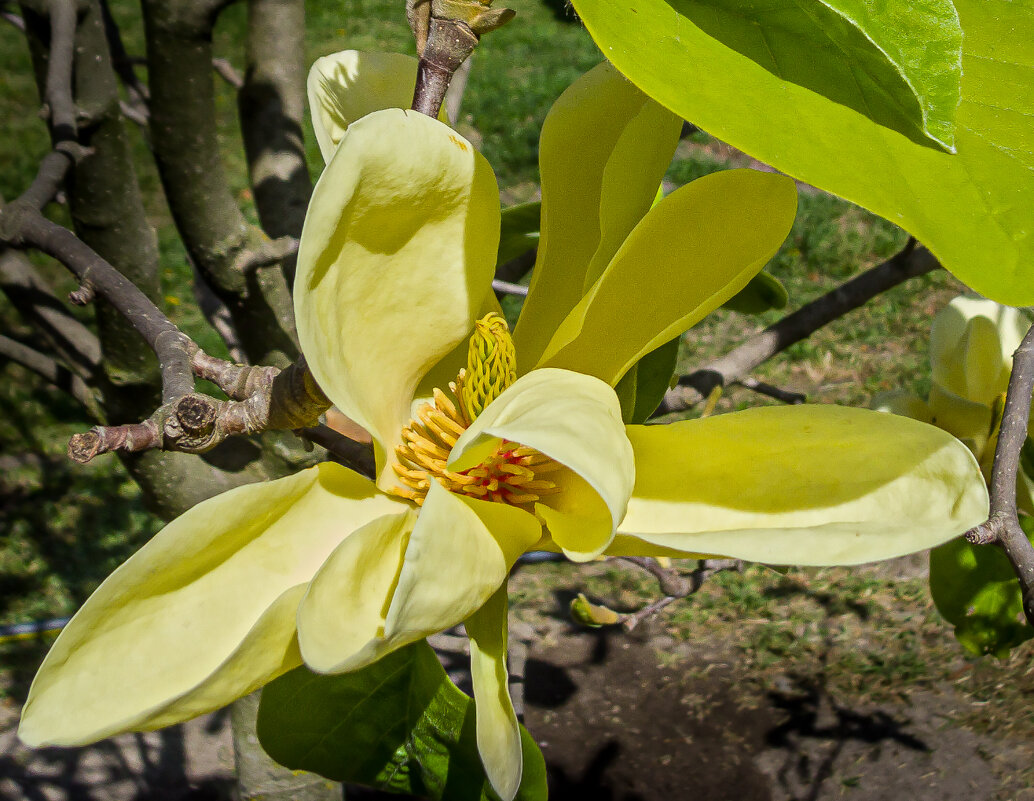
[519, 231]
[398, 725]
[763, 293]
[976, 590]
[971, 209]
[641, 390]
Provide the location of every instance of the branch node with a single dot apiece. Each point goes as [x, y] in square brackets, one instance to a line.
[196, 415]
[83, 296]
[84, 446]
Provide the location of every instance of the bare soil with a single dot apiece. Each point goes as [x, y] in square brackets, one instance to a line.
[690, 708]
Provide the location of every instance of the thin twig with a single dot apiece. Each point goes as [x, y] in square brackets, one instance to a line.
[58, 88]
[449, 43]
[674, 585]
[779, 394]
[1003, 525]
[506, 288]
[910, 262]
[48, 369]
[225, 70]
[13, 19]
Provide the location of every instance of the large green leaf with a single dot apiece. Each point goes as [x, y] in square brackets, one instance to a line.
[898, 63]
[642, 388]
[762, 293]
[971, 209]
[398, 725]
[519, 230]
[976, 590]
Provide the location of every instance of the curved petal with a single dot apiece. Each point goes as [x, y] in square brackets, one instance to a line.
[459, 554]
[341, 617]
[498, 733]
[692, 252]
[574, 419]
[804, 485]
[346, 86]
[202, 614]
[898, 401]
[602, 154]
[972, 342]
[395, 260]
[965, 419]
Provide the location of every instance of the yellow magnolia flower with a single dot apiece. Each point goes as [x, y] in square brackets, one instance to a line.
[972, 342]
[528, 450]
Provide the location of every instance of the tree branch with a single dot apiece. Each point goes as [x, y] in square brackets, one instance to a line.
[48, 369]
[72, 341]
[1003, 525]
[910, 262]
[186, 146]
[271, 107]
[446, 34]
[674, 585]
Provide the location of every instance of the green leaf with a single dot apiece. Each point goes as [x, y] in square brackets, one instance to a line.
[398, 725]
[975, 589]
[764, 292]
[519, 232]
[641, 390]
[899, 65]
[971, 209]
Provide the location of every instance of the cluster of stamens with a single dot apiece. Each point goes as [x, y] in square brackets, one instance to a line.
[513, 474]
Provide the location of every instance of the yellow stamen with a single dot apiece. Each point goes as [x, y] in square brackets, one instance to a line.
[512, 474]
[491, 365]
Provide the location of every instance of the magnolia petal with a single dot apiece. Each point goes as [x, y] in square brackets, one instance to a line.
[202, 614]
[395, 260]
[348, 85]
[968, 420]
[972, 342]
[898, 401]
[341, 617]
[692, 252]
[576, 420]
[602, 154]
[805, 485]
[458, 555]
[498, 733]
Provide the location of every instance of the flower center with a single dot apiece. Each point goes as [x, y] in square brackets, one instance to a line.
[513, 473]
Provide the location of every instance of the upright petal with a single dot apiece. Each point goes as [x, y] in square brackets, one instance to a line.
[804, 485]
[692, 252]
[498, 733]
[574, 419]
[972, 342]
[348, 85]
[202, 614]
[395, 261]
[603, 152]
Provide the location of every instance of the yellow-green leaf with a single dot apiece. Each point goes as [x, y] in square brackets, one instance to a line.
[972, 209]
